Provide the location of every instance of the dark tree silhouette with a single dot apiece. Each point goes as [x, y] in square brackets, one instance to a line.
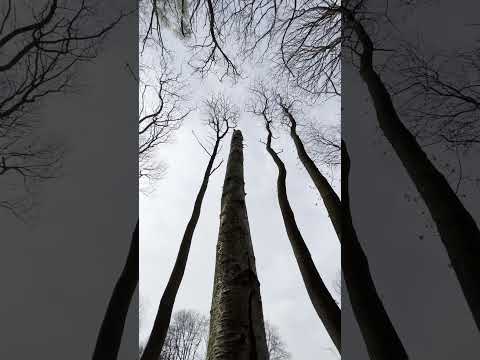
[236, 327]
[328, 195]
[457, 228]
[162, 111]
[38, 56]
[322, 143]
[221, 118]
[440, 96]
[310, 45]
[199, 18]
[110, 335]
[377, 330]
[324, 304]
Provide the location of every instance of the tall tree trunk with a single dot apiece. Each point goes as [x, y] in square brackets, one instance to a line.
[326, 308]
[237, 329]
[110, 335]
[457, 228]
[377, 330]
[328, 195]
[155, 342]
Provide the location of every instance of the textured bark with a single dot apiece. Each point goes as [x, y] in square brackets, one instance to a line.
[237, 328]
[155, 342]
[377, 330]
[110, 335]
[457, 228]
[329, 196]
[325, 306]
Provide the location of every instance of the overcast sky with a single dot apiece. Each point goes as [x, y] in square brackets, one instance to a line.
[165, 212]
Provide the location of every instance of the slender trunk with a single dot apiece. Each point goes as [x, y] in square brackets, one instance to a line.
[155, 342]
[457, 228]
[377, 330]
[329, 196]
[237, 329]
[110, 335]
[326, 308]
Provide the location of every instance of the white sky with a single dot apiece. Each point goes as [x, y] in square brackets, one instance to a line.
[165, 212]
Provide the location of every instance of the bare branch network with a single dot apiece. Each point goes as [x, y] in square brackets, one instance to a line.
[38, 56]
[162, 111]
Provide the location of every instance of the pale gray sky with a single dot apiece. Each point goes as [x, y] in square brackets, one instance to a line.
[165, 212]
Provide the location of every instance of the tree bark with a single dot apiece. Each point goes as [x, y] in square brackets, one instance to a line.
[237, 330]
[110, 335]
[457, 228]
[328, 195]
[325, 306]
[380, 337]
[155, 342]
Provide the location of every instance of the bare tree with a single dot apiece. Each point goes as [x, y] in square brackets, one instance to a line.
[322, 143]
[186, 337]
[195, 20]
[277, 350]
[457, 228]
[221, 117]
[324, 304]
[39, 53]
[162, 111]
[329, 196]
[236, 328]
[110, 335]
[302, 37]
[440, 96]
[378, 332]
[310, 45]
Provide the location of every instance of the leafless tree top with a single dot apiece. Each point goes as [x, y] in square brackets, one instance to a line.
[41, 43]
[163, 108]
[281, 108]
[440, 96]
[277, 349]
[186, 337]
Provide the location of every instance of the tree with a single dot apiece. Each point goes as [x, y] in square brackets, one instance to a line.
[457, 229]
[110, 335]
[186, 337]
[162, 111]
[322, 144]
[277, 349]
[440, 96]
[377, 329]
[187, 18]
[329, 196]
[378, 332]
[39, 54]
[310, 46]
[324, 304]
[221, 118]
[236, 327]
